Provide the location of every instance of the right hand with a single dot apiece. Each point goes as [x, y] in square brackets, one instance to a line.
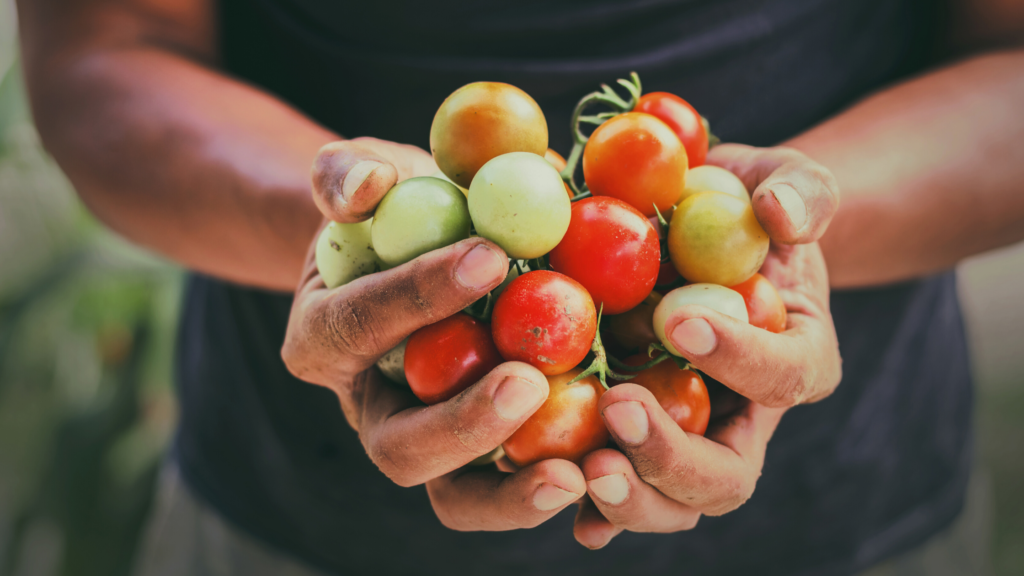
[335, 337]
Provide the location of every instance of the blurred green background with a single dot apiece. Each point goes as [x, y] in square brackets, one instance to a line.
[87, 325]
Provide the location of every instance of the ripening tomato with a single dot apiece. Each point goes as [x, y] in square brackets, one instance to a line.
[681, 393]
[716, 238]
[481, 121]
[567, 426]
[682, 118]
[545, 319]
[447, 357]
[764, 305]
[714, 179]
[634, 329]
[556, 160]
[636, 158]
[719, 298]
[612, 250]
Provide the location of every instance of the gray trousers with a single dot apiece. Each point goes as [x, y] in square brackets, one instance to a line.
[185, 536]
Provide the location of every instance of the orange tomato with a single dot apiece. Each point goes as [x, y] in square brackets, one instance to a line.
[681, 393]
[764, 305]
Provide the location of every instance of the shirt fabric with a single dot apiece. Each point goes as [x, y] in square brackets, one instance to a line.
[867, 473]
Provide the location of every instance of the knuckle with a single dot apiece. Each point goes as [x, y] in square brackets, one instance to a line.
[734, 493]
[348, 325]
[786, 392]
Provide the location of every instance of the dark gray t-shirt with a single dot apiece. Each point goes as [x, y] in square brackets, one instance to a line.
[871, 471]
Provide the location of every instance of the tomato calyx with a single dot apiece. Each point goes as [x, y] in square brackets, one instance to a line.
[608, 97]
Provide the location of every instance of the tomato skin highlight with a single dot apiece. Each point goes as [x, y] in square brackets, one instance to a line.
[481, 121]
[612, 250]
[638, 159]
[682, 118]
[764, 305]
[681, 393]
[545, 319]
[445, 358]
[567, 426]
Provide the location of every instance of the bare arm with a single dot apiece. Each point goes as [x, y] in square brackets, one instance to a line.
[931, 170]
[175, 156]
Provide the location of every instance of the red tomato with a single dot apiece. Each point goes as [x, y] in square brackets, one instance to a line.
[681, 393]
[566, 426]
[635, 328]
[764, 305]
[447, 357]
[682, 118]
[636, 158]
[545, 319]
[612, 250]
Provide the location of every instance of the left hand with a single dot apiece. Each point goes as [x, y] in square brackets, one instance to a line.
[662, 479]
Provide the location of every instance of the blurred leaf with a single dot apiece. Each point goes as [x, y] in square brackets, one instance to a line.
[13, 105]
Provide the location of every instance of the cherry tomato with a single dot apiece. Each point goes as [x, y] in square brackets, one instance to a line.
[764, 305]
[638, 159]
[682, 118]
[344, 253]
[517, 201]
[481, 121]
[718, 298]
[681, 393]
[716, 238]
[635, 328]
[714, 179]
[556, 160]
[416, 216]
[612, 250]
[567, 426]
[545, 319]
[447, 357]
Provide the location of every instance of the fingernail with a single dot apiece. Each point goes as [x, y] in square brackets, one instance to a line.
[791, 202]
[613, 488]
[356, 176]
[480, 268]
[514, 397]
[694, 336]
[628, 421]
[548, 497]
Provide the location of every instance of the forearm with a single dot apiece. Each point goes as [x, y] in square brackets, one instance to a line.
[179, 158]
[931, 171]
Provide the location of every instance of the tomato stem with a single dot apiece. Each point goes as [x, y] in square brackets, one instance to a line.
[600, 365]
[609, 98]
[649, 364]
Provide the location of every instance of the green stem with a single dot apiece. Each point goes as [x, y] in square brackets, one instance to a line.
[618, 364]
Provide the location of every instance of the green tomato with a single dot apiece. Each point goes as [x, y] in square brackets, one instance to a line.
[417, 216]
[344, 252]
[518, 201]
[718, 298]
[708, 178]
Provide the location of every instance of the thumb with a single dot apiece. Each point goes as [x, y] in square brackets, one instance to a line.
[349, 179]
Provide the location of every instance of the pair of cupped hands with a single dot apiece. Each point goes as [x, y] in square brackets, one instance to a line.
[658, 478]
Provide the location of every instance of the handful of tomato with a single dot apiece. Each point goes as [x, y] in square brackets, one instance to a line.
[650, 230]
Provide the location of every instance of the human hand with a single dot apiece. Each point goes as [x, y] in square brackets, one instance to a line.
[335, 337]
[662, 479]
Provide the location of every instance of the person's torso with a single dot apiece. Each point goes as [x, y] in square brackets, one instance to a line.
[873, 469]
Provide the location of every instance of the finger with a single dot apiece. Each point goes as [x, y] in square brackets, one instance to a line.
[412, 443]
[794, 197]
[337, 333]
[349, 179]
[711, 475]
[626, 501]
[799, 365]
[591, 528]
[475, 499]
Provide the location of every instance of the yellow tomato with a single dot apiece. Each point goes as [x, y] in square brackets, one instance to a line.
[709, 178]
[715, 238]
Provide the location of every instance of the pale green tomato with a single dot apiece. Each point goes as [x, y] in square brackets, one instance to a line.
[392, 364]
[716, 238]
[442, 176]
[344, 252]
[417, 216]
[718, 298]
[518, 201]
[709, 178]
